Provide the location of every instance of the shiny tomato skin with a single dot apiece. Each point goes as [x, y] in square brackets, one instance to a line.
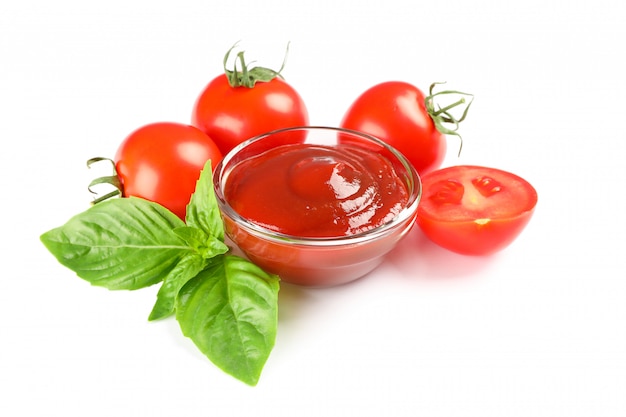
[231, 115]
[474, 210]
[161, 162]
[395, 112]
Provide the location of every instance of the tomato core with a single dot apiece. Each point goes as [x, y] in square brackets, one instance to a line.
[310, 190]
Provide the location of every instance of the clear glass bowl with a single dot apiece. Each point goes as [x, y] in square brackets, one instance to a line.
[316, 261]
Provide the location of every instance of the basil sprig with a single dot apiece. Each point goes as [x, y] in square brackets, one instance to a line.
[225, 304]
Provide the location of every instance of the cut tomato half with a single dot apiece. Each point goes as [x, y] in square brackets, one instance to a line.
[474, 210]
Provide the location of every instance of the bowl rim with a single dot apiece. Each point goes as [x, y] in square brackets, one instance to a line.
[408, 213]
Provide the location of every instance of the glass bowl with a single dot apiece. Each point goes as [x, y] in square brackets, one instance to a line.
[316, 261]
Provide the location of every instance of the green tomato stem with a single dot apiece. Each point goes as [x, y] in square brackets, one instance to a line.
[249, 76]
[449, 107]
[112, 179]
[442, 116]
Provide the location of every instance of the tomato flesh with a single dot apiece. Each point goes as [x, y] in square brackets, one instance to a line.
[309, 190]
[474, 210]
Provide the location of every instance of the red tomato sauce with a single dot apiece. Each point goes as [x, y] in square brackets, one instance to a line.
[309, 190]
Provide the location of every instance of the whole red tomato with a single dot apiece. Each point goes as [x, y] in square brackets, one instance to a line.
[401, 115]
[161, 162]
[474, 210]
[239, 105]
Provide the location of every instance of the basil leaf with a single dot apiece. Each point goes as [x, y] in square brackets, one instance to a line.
[202, 210]
[124, 243]
[207, 246]
[188, 267]
[230, 311]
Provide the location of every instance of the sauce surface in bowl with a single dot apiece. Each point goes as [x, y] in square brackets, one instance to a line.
[308, 190]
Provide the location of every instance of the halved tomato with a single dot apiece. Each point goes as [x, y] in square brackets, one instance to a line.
[474, 210]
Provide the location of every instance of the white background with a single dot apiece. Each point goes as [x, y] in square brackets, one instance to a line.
[537, 330]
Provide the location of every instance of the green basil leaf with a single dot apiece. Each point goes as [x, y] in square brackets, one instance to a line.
[188, 267]
[207, 246]
[123, 243]
[202, 211]
[230, 311]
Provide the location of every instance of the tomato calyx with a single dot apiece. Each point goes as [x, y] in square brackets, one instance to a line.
[112, 180]
[248, 77]
[442, 116]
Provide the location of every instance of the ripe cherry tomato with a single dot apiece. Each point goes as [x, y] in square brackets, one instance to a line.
[396, 112]
[474, 210]
[239, 105]
[161, 162]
